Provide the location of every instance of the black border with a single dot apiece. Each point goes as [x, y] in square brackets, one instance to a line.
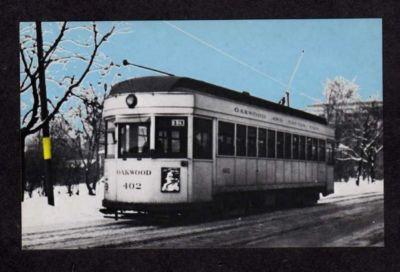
[306, 259]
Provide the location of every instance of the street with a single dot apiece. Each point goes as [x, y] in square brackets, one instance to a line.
[352, 220]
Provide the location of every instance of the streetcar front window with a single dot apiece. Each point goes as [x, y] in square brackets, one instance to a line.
[171, 137]
[134, 140]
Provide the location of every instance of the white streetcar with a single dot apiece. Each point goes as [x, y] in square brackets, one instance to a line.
[174, 143]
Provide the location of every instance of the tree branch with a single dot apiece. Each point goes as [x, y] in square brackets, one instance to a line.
[77, 83]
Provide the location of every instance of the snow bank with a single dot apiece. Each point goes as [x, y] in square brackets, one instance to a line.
[350, 188]
[67, 210]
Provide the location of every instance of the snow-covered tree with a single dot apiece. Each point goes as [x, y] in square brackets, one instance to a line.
[364, 141]
[358, 128]
[339, 93]
[71, 54]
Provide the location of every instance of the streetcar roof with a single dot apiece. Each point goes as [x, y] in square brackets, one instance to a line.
[172, 83]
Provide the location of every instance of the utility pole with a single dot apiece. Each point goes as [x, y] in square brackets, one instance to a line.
[46, 141]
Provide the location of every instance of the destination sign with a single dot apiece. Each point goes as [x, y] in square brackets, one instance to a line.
[276, 119]
[177, 122]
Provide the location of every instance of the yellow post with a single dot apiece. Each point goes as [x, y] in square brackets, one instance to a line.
[46, 148]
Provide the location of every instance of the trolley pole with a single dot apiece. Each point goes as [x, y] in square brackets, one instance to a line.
[126, 62]
[46, 141]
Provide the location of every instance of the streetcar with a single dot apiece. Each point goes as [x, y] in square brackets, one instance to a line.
[176, 143]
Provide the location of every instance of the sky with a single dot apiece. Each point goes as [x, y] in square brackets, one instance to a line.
[257, 56]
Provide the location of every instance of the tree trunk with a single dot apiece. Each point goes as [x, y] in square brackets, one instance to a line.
[97, 169]
[359, 173]
[87, 182]
[372, 168]
[94, 184]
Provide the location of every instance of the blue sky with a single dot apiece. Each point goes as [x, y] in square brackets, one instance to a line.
[351, 48]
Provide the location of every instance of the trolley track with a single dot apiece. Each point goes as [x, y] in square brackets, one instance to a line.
[232, 234]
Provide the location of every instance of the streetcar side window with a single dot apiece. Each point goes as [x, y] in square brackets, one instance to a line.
[288, 146]
[171, 137]
[302, 147]
[202, 138]
[330, 151]
[295, 147]
[314, 149]
[262, 142]
[279, 145]
[240, 140]
[321, 150]
[134, 139]
[109, 140]
[225, 138]
[271, 143]
[309, 148]
[251, 141]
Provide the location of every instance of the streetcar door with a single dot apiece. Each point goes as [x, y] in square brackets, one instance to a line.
[202, 159]
[134, 173]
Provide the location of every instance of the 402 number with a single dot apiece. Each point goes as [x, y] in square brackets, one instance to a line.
[132, 186]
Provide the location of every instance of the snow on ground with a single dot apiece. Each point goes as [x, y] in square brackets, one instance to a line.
[83, 209]
[68, 210]
[350, 188]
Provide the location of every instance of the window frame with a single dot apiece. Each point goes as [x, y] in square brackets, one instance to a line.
[249, 139]
[108, 130]
[242, 148]
[223, 143]
[280, 145]
[136, 154]
[262, 143]
[309, 151]
[287, 150]
[169, 129]
[208, 155]
[315, 149]
[302, 147]
[321, 150]
[271, 153]
[295, 147]
[330, 155]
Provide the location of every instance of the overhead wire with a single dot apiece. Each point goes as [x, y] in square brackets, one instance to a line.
[224, 53]
[194, 37]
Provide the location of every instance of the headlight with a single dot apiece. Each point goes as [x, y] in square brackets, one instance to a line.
[131, 100]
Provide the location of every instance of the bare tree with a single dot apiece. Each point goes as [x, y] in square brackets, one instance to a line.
[87, 128]
[67, 61]
[65, 156]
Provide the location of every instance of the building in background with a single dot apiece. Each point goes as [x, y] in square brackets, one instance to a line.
[351, 110]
